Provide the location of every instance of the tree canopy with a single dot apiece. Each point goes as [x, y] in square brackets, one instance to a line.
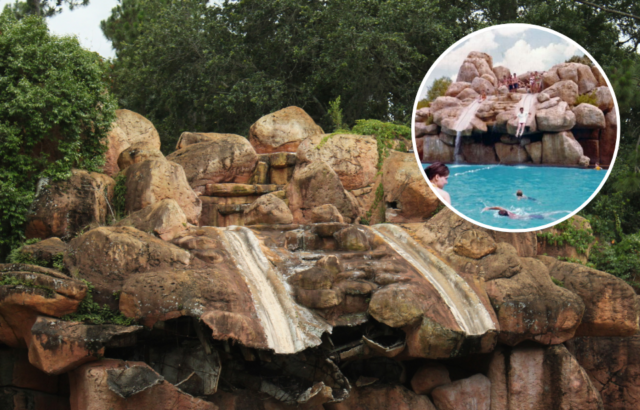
[54, 114]
[42, 8]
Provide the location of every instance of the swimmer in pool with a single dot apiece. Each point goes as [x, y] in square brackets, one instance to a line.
[504, 212]
[597, 167]
[520, 196]
[438, 175]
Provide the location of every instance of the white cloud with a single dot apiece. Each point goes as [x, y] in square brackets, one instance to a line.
[521, 57]
[484, 42]
[511, 30]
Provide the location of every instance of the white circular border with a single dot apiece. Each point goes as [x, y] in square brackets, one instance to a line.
[585, 203]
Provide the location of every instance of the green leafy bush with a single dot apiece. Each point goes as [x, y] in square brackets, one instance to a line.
[54, 115]
[621, 259]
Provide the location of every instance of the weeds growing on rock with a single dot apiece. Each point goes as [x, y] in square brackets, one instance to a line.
[91, 312]
[9, 280]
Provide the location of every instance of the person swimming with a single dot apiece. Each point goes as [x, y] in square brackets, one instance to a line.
[511, 215]
[438, 175]
[520, 196]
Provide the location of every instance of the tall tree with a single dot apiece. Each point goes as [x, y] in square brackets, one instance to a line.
[43, 8]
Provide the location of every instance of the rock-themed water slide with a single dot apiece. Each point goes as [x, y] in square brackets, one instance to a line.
[561, 130]
[288, 270]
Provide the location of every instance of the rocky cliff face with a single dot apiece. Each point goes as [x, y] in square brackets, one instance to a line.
[243, 278]
[559, 131]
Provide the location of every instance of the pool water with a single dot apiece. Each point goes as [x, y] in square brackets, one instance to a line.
[557, 192]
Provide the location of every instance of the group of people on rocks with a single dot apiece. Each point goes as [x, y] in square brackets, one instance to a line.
[534, 85]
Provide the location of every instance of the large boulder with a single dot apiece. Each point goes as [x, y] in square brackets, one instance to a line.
[136, 153]
[483, 86]
[538, 378]
[407, 195]
[64, 208]
[282, 130]
[151, 181]
[353, 157]
[189, 138]
[613, 365]
[556, 118]
[226, 158]
[31, 291]
[530, 306]
[455, 88]
[45, 251]
[609, 138]
[316, 184]
[611, 308]
[561, 149]
[589, 116]
[164, 218]
[567, 91]
[268, 209]
[129, 128]
[58, 346]
[107, 256]
[604, 99]
[444, 102]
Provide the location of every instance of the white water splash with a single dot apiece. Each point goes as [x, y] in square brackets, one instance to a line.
[466, 115]
[465, 305]
[289, 327]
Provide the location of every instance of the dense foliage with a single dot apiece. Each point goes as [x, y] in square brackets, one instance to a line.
[54, 114]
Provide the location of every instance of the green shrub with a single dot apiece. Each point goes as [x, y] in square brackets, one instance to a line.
[587, 99]
[567, 234]
[423, 103]
[54, 115]
[620, 259]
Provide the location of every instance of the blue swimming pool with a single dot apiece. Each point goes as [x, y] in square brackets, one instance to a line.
[557, 192]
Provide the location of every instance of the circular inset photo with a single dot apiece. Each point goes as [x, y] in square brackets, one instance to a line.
[516, 127]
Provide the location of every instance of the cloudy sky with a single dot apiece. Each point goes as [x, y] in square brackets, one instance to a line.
[519, 47]
[83, 22]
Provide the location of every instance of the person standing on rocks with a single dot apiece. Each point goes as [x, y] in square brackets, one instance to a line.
[438, 175]
[522, 121]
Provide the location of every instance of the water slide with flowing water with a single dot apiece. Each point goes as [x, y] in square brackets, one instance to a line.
[289, 327]
[466, 115]
[465, 305]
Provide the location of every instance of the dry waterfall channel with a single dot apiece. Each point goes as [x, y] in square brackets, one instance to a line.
[289, 327]
[471, 315]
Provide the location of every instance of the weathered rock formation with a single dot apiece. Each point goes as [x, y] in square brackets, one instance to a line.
[571, 133]
[289, 293]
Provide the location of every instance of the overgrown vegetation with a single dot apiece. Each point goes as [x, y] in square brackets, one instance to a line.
[54, 114]
[567, 234]
[386, 135]
[91, 312]
[119, 198]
